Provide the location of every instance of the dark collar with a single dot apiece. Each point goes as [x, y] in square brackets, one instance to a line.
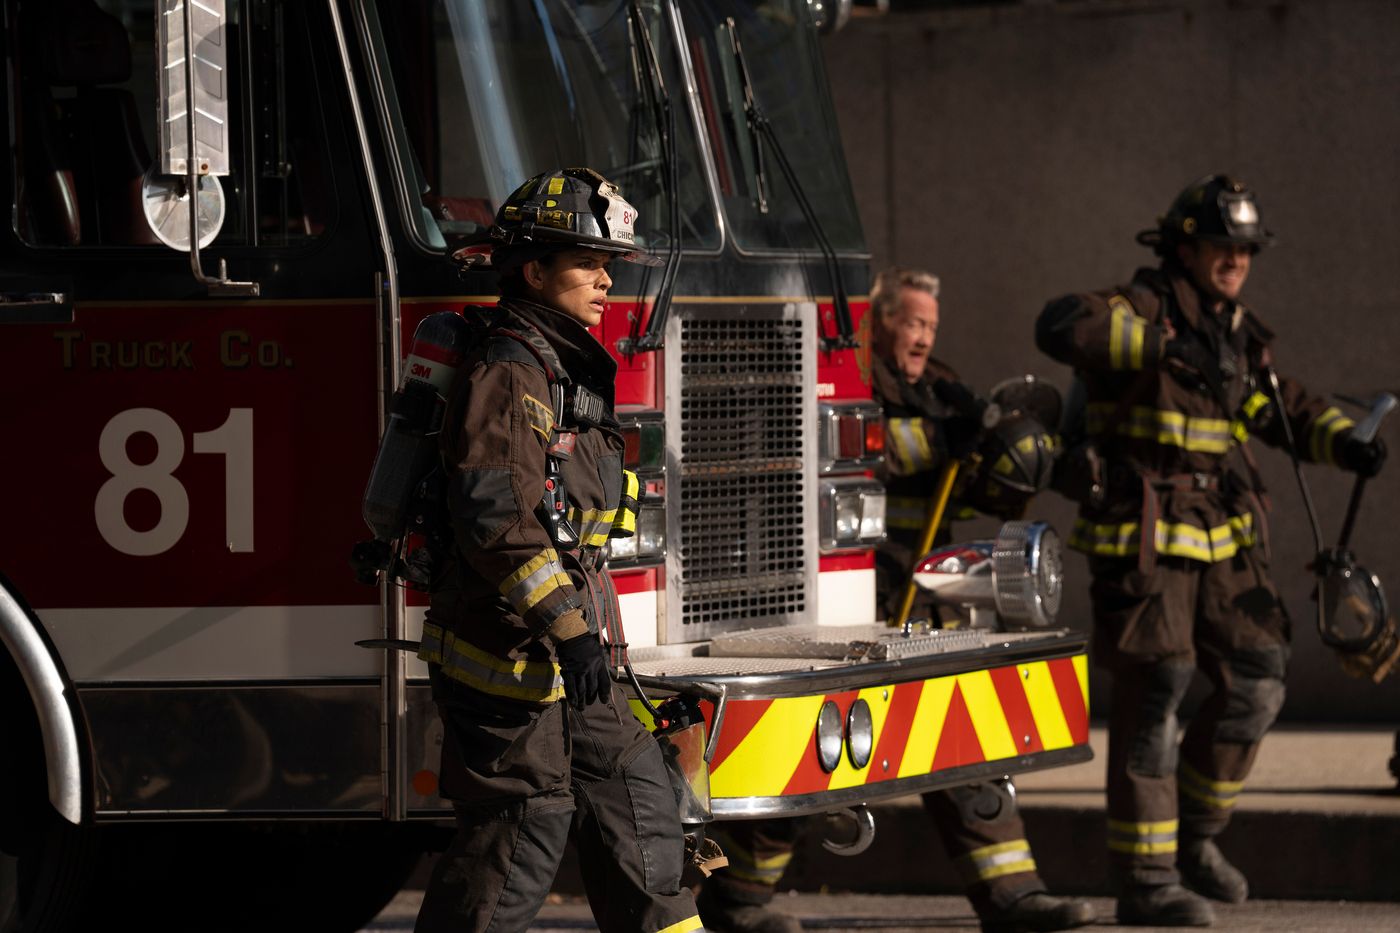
[584, 359]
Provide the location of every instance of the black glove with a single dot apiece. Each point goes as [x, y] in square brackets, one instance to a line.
[1191, 353]
[960, 435]
[1364, 458]
[584, 666]
[958, 397]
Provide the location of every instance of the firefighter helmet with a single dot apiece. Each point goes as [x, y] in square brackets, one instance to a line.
[1216, 208]
[1015, 461]
[1029, 395]
[556, 210]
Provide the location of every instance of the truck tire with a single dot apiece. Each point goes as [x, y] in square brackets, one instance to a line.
[46, 863]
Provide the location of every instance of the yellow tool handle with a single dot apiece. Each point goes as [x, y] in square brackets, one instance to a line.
[939, 503]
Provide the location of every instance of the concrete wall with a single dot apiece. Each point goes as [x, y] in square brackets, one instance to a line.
[1016, 150]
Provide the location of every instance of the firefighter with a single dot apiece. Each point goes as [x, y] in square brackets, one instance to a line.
[979, 825]
[1175, 372]
[537, 740]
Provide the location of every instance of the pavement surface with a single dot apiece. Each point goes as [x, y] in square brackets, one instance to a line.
[950, 914]
[1319, 819]
[1317, 832]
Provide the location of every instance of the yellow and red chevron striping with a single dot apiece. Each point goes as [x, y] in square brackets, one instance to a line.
[767, 747]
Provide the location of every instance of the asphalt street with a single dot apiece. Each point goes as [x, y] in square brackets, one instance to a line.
[893, 913]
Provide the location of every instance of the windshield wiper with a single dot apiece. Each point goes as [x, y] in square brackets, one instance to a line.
[761, 129]
[647, 71]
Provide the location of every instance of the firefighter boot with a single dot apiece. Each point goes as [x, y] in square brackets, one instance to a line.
[1207, 872]
[721, 914]
[1163, 905]
[1037, 912]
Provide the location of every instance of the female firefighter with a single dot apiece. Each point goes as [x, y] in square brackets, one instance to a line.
[535, 489]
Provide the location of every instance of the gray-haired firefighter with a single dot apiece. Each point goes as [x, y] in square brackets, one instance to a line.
[979, 825]
[538, 742]
[1175, 371]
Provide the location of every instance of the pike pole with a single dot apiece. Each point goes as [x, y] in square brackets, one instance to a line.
[937, 505]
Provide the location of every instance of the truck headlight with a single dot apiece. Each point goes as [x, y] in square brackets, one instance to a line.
[1028, 573]
[829, 736]
[860, 734]
[647, 547]
[852, 513]
[851, 436]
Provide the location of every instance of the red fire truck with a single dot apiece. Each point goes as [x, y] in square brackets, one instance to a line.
[197, 383]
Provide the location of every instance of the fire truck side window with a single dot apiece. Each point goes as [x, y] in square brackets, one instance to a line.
[83, 106]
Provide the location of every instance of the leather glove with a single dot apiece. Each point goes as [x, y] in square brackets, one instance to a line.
[957, 396]
[960, 435]
[1364, 458]
[584, 666]
[1189, 353]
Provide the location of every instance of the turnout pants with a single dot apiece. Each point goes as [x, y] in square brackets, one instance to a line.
[1152, 631]
[981, 831]
[521, 778]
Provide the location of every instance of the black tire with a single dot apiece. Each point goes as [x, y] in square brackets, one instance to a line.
[46, 863]
[43, 886]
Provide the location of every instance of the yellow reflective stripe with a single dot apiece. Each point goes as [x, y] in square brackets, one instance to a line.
[594, 526]
[685, 926]
[624, 523]
[929, 718]
[988, 717]
[1142, 838]
[1171, 428]
[1044, 701]
[1105, 540]
[1177, 539]
[910, 441]
[1254, 404]
[1126, 333]
[1239, 431]
[534, 580]
[536, 681]
[997, 861]
[1217, 795]
[1324, 429]
[782, 733]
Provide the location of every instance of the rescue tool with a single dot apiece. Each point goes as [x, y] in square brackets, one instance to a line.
[1353, 616]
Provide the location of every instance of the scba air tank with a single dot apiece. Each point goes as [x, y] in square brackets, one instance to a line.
[408, 448]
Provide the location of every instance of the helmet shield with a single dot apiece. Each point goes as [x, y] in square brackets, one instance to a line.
[1029, 395]
[1216, 208]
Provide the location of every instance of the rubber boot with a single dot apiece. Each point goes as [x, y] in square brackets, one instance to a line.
[1205, 870]
[1163, 905]
[723, 915]
[1038, 912]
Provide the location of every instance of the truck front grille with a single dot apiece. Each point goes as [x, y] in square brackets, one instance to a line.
[741, 479]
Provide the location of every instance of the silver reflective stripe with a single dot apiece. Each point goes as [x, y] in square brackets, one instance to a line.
[535, 580]
[1142, 838]
[996, 861]
[537, 681]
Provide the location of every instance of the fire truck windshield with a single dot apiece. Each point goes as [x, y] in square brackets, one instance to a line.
[490, 92]
[788, 83]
